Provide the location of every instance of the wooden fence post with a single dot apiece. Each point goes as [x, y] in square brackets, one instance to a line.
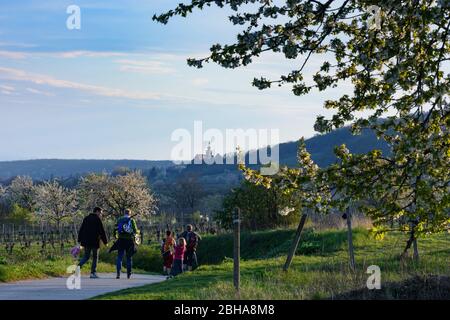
[351, 253]
[295, 243]
[237, 250]
[416, 250]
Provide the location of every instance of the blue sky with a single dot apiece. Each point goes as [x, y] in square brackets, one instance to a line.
[120, 86]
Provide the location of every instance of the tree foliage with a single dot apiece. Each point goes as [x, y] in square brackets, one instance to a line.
[117, 193]
[22, 192]
[55, 203]
[399, 70]
[20, 215]
[260, 208]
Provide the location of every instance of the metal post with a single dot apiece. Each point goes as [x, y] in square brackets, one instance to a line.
[237, 250]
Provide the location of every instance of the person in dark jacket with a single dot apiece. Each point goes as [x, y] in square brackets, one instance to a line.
[90, 234]
[190, 258]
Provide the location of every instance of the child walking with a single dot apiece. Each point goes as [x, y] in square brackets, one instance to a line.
[180, 249]
[167, 252]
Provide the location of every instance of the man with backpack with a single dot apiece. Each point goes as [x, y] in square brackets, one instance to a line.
[192, 238]
[126, 233]
[89, 236]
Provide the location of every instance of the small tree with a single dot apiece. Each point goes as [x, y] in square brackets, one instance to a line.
[417, 201]
[302, 188]
[93, 191]
[260, 208]
[56, 204]
[398, 67]
[20, 215]
[22, 192]
[115, 194]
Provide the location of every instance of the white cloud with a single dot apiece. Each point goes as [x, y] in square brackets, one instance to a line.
[35, 91]
[145, 67]
[5, 87]
[200, 81]
[13, 54]
[61, 55]
[20, 75]
[16, 44]
[6, 90]
[89, 54]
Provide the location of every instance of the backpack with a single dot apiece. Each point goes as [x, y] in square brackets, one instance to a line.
[125, 226]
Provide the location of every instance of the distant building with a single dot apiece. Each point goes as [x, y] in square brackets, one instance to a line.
[208, 157]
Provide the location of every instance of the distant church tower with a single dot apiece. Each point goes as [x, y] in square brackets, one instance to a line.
[205, 158]
[209, 152]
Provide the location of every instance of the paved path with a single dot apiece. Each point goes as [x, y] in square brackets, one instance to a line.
[55, 288]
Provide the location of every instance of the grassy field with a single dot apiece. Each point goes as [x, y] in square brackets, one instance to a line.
[32, 264]
[319, 271]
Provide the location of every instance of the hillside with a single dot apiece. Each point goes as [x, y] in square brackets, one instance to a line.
[320, 146]
[48, 168]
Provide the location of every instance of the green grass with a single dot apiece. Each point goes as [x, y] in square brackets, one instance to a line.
[269, 244]
[32, 264]
[320, 269]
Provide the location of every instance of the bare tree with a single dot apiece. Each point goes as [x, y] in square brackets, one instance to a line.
[56, 204]
[187, 193]
[117, 193]
[211, 204]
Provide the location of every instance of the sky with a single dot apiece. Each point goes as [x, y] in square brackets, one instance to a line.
[119, 87]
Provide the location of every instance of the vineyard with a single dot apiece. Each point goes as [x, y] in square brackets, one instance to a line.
[50, 238]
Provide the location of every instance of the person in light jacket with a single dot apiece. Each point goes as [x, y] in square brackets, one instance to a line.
[126, 232]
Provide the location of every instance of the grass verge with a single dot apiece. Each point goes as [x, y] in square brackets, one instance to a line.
[320, 272]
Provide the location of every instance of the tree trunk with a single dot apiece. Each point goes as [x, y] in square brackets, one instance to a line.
[408, 244]
[182, 218]
[351, 253]
[295, 243]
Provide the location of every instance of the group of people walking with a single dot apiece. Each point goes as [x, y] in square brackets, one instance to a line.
[178, 254]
